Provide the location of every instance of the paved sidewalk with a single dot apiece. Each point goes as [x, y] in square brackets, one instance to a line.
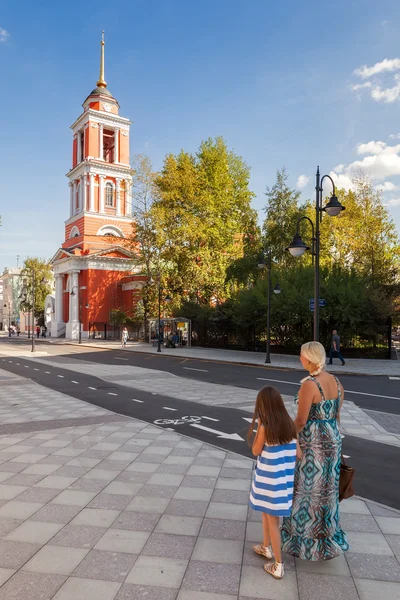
[355, 366]
[102, 507]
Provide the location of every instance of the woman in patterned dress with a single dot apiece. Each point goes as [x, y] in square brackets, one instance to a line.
[272, 490]
[313, 532]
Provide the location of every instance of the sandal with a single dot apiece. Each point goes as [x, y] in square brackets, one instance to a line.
[275, 569]
[263, 551]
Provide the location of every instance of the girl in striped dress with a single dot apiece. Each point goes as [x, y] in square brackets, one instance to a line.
[271, 493]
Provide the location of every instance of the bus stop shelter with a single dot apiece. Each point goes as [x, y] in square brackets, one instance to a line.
[175, 332]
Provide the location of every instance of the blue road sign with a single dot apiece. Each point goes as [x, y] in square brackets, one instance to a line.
[322, 303]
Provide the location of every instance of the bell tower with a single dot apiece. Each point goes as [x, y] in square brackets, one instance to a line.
[100, 177]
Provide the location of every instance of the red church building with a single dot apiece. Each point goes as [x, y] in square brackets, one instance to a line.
[93, 268]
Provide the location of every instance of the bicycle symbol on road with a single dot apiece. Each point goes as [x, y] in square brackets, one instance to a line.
[180, 421]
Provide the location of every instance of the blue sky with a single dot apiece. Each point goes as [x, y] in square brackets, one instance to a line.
[283, 82]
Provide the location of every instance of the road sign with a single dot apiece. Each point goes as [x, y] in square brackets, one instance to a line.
[322, 303]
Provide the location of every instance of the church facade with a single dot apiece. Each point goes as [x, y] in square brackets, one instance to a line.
[93, 267]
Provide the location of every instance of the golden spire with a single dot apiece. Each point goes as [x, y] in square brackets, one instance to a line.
[101, 82]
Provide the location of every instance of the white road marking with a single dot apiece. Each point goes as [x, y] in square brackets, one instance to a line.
[17, 364]
[192, 369]
[91, 388]
[77, 382]
[112, 394]
[220, 434]
[119, 358]
[48, 372]
[248, 419]
[60, 376]
[26, 366]
[210, 419]
[346, 391]
[394, 378]
[346, 456]
[153, 393]
[36, 369]
[139, 401]
[183, 361]
[168, 408]
[10, 361]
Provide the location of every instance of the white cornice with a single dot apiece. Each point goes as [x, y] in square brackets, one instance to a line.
[101, 263]
[102, 118]
[98, 167]
[121, 218]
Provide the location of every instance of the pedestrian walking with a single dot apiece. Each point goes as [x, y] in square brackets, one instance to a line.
[272, 489]
[335, 348]
[313, 531]
[124, 337]
[37, 331]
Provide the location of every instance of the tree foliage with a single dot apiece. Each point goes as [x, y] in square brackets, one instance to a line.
[38, 270]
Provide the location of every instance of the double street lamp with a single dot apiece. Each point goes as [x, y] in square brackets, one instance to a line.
[298, 247]
[277, 290]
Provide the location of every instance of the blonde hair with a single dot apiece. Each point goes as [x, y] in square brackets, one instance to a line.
[315, 353]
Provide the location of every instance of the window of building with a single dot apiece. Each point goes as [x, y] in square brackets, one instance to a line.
[110, 230]
[109, 194]
[78, 191]
[108, 145]
[82, 142]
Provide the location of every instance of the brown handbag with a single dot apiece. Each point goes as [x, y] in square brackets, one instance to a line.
[345, 481]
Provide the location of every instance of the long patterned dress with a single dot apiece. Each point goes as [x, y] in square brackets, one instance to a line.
[313, 532]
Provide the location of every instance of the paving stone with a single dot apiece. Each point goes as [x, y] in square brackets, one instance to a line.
[15, 554]
[196, 494]
[328, 587]
[19, 510]
[57, 483]
[102, 474]
[335, 566]
[220, 510]
[42, 495]
[40, 469]
[148, 504]
[199, 482]
[235, 473]
[161, 479]
[111, 566]
[23, 479]
[8, 492]
[179, 460]
[373, 566]
[362, 523]
[204, 471]
[78, 536]
[233, 484]
[222, 529]
[394, 543]
[218, 551]
[158, 571]
[179, 525]
[89, 485]
[163, 491]
[187, 508]
[56, 559]
[354, 506]
[5, 574]
[163, 544]
[8, 525]
[230, 497]
[78, 588]
[189, 595]
[110, 501]
[74, 498]
[31, 586]
[212, 577]
[34, 532]
[173, 469]
[368, 543]
[54, 513]
[382, 511]
[145, 592]
[123, 488]
[142, 467]
[377, 590]
[133, 476]
[96, 517]
[119, 540]
[389, 525]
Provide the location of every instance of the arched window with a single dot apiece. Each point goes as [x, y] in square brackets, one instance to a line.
[74, 232]
[110, 230]
[109, 194]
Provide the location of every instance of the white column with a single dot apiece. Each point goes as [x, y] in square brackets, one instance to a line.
[79, 146]
[101, 193]
[118, 197]
[91, 193]
[128, 198]
[116, 145]
[71, 199]
[80, 199]
[84, 199]
[74, 195]
[100, 141]
[59, 298]
[74, 304]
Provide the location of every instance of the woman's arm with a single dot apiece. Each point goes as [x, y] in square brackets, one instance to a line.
[259, 440]
[305, 398]
[341, 401]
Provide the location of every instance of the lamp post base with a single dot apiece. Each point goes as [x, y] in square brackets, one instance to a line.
[267, 360]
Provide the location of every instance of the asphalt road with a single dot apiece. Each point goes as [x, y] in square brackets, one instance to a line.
[375, 463]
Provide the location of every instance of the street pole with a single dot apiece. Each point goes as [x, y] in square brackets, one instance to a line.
[269, 267]
[9, 319]
[317, 247]
[33, 308]
[159, 314]
[80, 316]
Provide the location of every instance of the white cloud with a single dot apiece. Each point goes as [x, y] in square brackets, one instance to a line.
[3, 35]
[302, 182]
[378, 92]
[388, 186]
[388, 64]
[393, 202]
[394, 136]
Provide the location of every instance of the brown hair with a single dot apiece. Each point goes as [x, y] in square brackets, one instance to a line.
[270, 409]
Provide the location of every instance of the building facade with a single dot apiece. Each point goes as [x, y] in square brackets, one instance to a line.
[93, 267]
[11, 285]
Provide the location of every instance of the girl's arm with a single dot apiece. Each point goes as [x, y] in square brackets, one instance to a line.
[305, 398]
[341, 402]
[259, 440]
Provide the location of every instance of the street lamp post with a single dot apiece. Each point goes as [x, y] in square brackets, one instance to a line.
[277, 290]
[298, 247]
[166, 299]
[76, 287]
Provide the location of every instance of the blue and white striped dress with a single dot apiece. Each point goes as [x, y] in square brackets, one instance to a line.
[272, 488]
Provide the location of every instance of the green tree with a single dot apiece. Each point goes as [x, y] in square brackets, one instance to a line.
[39, 270]
[203, 217]
[282, 212]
